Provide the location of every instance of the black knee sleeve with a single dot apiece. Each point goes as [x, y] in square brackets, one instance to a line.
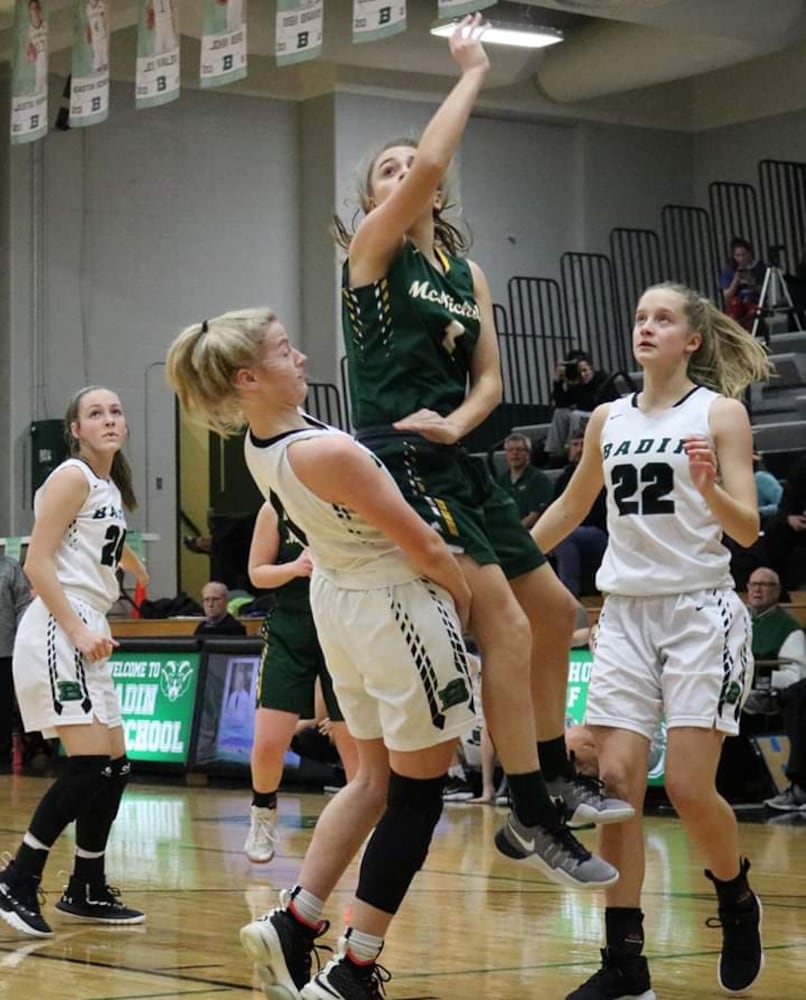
[84, 778]
[400, 843]
[94, 820]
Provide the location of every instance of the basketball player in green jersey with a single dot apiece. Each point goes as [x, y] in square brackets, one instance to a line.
[418, 329]
[291, 662]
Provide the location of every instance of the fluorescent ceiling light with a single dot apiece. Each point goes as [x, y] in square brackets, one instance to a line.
[521, 36]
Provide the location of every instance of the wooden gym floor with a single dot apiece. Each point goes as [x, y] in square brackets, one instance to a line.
[472, 927]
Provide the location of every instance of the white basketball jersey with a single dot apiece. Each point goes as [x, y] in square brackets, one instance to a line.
[663, 538]
[345, 549]
[88, 555]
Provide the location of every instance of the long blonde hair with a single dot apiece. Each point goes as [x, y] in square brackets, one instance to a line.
[446, 235]
[729, 358]
[121, 471]
[202, 362]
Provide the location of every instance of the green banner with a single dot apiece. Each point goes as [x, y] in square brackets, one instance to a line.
[223, 42]
[374, 19]
[157, 69]
[29, 71]
[89, 80]
[458, 8]
[298, 30]
[579, 675]
[157, 694]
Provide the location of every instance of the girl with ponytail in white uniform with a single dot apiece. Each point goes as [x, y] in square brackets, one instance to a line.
[389, 602]
[62, 676]
[676, 460]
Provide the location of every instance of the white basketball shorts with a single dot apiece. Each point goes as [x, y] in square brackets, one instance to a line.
[55, 686]
[398, 662]
[685, 656]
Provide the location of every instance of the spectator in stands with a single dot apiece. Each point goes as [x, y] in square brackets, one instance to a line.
[578, 389]
[776, 633]
[15, 596]
[530, 488]
[778, 636]
[768, 490]
[768, 494]
[218, 621]
[741, 282]
[584, 547]
[786, 535]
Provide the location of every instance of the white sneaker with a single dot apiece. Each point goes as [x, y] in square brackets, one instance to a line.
[261, 841]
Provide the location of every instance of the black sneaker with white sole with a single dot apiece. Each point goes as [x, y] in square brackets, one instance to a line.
[97, 902]
[20, 902]
[742, 957]
[282, 949]
[622, 977]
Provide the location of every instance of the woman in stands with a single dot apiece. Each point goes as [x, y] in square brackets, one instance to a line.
[292, 661]
[418, 328]
[62, 676]
[676, 460]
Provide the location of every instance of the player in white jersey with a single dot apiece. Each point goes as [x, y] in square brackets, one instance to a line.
[382, 594]
[160, 18]
[674, 638]
[62, 677]
[97, 33]
[37, 46]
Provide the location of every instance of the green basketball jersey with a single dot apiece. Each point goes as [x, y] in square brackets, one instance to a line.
[294, 594]
[409, 338]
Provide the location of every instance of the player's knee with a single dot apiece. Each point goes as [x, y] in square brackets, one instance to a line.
[620, 778]
[85, 779]
[685, 791]
[400, 843]
[373, 786]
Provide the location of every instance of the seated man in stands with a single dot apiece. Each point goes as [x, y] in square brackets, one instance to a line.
[577, 391]
[741, 282]
[217, 619]
[776, 633]
[786, 534]
[584, 547]
[530, 488]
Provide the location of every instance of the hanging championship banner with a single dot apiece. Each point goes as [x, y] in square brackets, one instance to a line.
[157, 53]
[223, 42]
[29, 73]
[458, 8]
[374, 19]
[299, 30]
[89, 81]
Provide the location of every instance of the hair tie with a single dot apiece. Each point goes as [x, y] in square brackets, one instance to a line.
[204, 326]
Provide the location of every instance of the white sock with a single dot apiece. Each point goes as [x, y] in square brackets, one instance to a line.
[364, 948]
[305, 906]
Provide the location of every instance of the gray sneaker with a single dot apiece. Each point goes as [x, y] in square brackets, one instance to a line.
[582, 801]
[556, 853]
[792, 800]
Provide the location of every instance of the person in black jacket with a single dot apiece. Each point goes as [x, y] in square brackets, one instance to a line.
[217, 621]
[578, 389]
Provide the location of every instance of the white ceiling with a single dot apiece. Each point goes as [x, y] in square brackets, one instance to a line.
[658, 53]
